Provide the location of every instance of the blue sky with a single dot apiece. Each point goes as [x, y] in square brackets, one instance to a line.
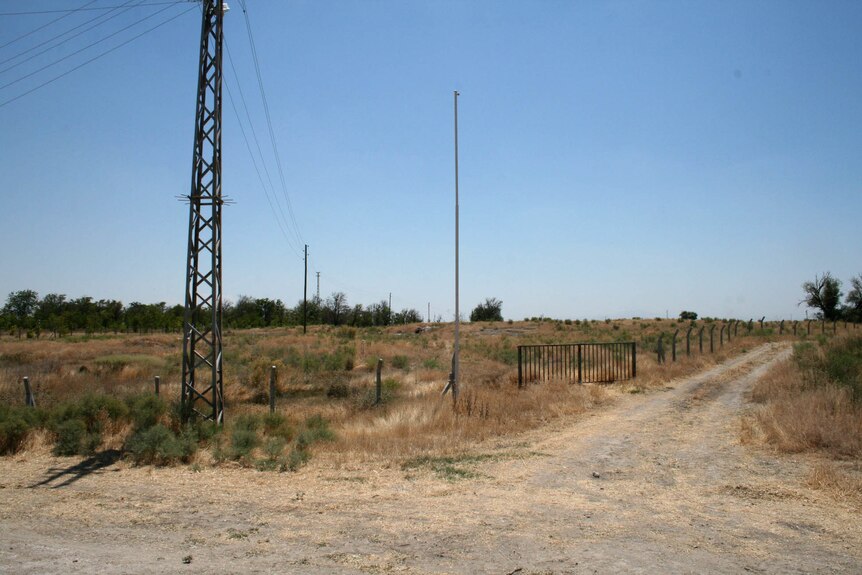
[617, 159]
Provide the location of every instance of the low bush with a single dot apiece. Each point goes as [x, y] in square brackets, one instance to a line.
[158, 445]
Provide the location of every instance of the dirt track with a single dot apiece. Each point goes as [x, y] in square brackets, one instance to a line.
[656, 483]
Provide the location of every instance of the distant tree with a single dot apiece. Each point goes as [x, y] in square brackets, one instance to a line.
[688, 315]
[336, 308]
[854, 299]
[408, 316]
[21, 309]
[824, 294]
[490, 310]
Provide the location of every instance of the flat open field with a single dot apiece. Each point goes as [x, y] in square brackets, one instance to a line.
[643, 483]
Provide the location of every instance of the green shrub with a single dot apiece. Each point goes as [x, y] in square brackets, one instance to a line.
[158, 445]
[145, 411]
[14, 426]
[242, 443]
[316, 429]
[297, 458]
[277, 425]
[70, 437]
[338, 390]
[432, 363]
[401, 362]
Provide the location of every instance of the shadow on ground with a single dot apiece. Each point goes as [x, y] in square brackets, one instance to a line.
[90, 466]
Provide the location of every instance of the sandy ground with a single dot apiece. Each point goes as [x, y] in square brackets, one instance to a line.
[656, 483]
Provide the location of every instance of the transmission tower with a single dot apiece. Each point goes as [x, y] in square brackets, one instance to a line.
[202, 391]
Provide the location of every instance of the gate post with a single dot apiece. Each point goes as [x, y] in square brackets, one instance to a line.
[580, 380]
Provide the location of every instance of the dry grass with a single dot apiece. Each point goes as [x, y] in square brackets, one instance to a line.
[312, 367]
[795, 416]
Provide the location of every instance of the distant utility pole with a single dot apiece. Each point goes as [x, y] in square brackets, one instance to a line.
[305, 294]
[318, 286]
[457, 353]
[202, 394]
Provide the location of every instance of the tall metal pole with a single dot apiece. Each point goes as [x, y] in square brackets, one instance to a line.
[457, 351]
[202, 393]
[318, 287]
[305, 294]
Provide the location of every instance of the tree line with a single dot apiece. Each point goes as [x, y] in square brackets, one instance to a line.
[55, 314]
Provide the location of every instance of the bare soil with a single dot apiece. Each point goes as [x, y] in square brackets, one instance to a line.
[658, 482]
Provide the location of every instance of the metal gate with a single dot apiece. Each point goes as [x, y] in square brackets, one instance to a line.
[577, 362]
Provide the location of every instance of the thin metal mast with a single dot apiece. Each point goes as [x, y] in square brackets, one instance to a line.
[202, 389]
[457, 355]
[305, 294]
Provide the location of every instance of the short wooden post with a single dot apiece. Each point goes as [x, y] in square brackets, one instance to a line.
[761, 322]
[634, 361]
[156, 382]
[379, 397]
[808, 325]
[673, 349]
[700, 338]
[272, 389]
[795, 324]
[688, 341]
[712, 338]
[660, 349]
[29, 398]
[781, 328]
[721, 337]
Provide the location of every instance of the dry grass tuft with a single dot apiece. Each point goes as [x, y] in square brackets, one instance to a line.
[843, 484]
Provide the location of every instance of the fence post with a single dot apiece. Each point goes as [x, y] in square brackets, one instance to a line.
[721, 336]
[379, 397]
[750, 325]
[808, 325]
[157, 381]
[272, 389]
[736, 328]
[673, 349]
[520, 371]
[761, 322]
[781, 328]
[795, 323]
[688, 341]
[634, 360]
[29, 398]
[712, 338]
[700, 338]
[660, 349]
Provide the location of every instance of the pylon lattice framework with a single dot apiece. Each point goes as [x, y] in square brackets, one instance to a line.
[202, 390]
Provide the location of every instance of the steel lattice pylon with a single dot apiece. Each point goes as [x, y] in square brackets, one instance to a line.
[202, 390]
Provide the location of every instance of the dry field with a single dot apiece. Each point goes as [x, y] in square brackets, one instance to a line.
[330, 372]
[655, 481]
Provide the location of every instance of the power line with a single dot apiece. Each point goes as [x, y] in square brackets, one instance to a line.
[296, 228]
[87, 47]
[94, 58]
[37, 46]
[269, 199]
[83, 9]
[256, 169]
[42, 27]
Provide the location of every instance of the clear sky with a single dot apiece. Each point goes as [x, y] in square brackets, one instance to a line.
[617, 159]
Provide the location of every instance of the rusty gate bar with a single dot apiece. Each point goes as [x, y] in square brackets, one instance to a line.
[590, 362]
